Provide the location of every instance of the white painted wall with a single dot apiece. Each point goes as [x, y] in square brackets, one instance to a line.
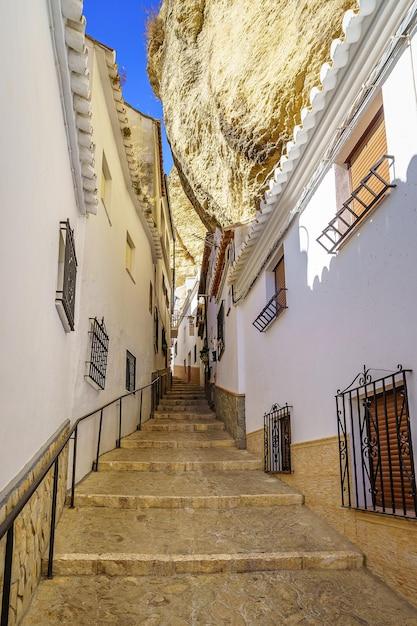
[109, 291]
[343, 311]
[186, 341]
[42, 367]
[36, 192]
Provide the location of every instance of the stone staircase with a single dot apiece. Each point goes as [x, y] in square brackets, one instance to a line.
[178, 526]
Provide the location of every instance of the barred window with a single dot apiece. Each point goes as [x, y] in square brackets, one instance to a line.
[130, 371]
[67, 276]
[156, 330]
[99, 349]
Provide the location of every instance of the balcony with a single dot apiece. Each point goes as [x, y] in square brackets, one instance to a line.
[271, 311]
[371, 190]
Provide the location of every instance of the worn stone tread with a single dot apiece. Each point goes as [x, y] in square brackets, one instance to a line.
[145, 439]
[319, 598]
[215, 490]
[180, 532]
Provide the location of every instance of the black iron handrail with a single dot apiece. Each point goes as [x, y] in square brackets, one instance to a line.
[7, 526]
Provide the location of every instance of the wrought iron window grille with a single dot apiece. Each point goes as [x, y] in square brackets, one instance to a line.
[370, 191]
[277, 439]
[375, 444]
[67, 278]
[272, 310]
[130, 371]
[99, 348]
[164, 342]
[220, 332]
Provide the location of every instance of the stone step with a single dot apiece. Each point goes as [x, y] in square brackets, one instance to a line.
[214, 439]
[127, 542]
[197, 490]
[184, 415]
[261, 598]
[181, 402]
[177, 460]
[185, 408]
[198, 425]
[184, 396]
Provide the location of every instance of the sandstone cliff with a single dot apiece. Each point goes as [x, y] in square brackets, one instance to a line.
[233, 76]
[190, 232]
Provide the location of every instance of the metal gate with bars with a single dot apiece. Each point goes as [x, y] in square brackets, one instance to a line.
[277, 440]
[375, 444]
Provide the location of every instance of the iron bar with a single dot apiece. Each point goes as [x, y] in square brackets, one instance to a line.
[53, 519]
[95, 464]
[271, 311]
[74, 463]
[7, 576]
[140, 411]
[120, 424]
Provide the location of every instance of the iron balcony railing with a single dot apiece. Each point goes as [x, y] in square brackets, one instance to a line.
[369, 192]
[375, 445]
[66, 294]
[277, 440]
[97, 365]
[272, 310]
[7, 526]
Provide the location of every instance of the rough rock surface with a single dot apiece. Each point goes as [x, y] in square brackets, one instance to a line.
[233, 76]
[190, 231]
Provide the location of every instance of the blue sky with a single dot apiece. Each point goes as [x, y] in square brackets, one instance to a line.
[121, 24]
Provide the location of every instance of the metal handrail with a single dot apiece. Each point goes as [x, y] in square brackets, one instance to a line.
[7, 526]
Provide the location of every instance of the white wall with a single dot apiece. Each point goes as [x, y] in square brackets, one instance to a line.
[109, 291]
[36, 192]
[355, 308]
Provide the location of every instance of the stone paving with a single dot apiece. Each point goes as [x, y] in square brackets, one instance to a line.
[183, 528]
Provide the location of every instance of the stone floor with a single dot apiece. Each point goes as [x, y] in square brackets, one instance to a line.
[191, 531]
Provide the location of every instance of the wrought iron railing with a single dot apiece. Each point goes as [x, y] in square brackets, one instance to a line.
[7, 526]
[375, 444]
[99, 348]
[272, 310]
[369, 192]
[277, 440]
[66, 294]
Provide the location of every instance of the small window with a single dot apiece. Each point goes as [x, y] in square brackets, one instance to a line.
[130, 255]
[367, 152]
[99, 349]
[67, 276]
[105, 184]
[280, 287]
[150, 297]
[195, 354]
[130, 371]
[220, 331]
[176, 348]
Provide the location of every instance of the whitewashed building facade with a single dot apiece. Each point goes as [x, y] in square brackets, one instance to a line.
[323, 282]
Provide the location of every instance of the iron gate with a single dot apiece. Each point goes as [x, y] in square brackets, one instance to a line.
[277, 440]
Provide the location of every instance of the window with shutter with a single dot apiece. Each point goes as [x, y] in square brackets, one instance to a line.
[279, 272]
[390, 468]
[368, 151]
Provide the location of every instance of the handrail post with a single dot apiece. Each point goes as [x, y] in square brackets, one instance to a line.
[53, 519]
[95, 463]
[74, 461]
[8, 562]
[120, 424]
[140, 411]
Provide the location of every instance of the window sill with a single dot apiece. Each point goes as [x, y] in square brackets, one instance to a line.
[130, 274]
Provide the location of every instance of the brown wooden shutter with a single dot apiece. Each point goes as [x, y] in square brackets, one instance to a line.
[383, 426]
[279, 272]
[371, 147]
